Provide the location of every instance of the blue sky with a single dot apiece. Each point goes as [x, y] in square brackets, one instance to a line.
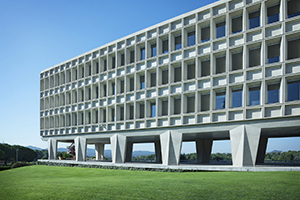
[35, 35]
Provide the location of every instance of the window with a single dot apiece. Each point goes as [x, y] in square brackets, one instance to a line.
[97, 68]
[236, 98]
[142, 82]
[254, 95]
[205, 102]
[191, 38]
[254, 57]
[131, 84]
[105, 65]
[273, 93]
[205, 34]
[237, 23]
[164, 107]
[177, 74]
[153, 79]
[153, 109]
[104, 90]
[220, 29]
[122, 59]
[143, 53]
[205, 68]
[142, 110]
[273, 14]
[254, 19]
[113, 62]
[165, 46]
[122, 113]
[273, 53]
[122, 85]
[178, 42]
[153, 50]
[293, 8]
[220, 64]
[165, 75]
[177, 105]
[293, 90]
[190, 104]
[97, 92]
[132, 56]
[113, 88]
[191, 71]
[131, 112]
[220, 100]
[113, 115]
[294, 48]
[90, 70]
[237, 61]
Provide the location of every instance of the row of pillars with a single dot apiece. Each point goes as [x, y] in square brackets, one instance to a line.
[247, 146]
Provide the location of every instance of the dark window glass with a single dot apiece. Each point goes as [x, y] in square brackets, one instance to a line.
[97, 68]
[122, 59]
[254, 19]
[254, 96]
[131, 56]
[177, 74]
[294, 48]
[293, 90]
[104, 116]
[105, 65]
[143, 53]
[122, 86]
[205, 104]
[293, 8]
[220, 100]
[273, 14]
[254, 57]
[236, 98]
[122, 113]
[237, 23]
[191, 104]
[220, 29]
[178, 42]
[273, 53]
[191, 71]
[273, 93]
[177, 106]
[142, 110]
[104, 90]
[113, 118]
[131, 112]
[165, 76]
[131, 88]
[205, 68]
[113, 88]
[153, 109]
[165, 46]
[191, 38]
[205, 34]
[237, 61]
[220, 64]
[153, 50]
[113, 62]
[164, 107]
[153, 79]
[142, 82]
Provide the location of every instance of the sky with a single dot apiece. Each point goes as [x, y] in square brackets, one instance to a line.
[36, 35]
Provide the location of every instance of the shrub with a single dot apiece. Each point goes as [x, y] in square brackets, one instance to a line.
[19, 164]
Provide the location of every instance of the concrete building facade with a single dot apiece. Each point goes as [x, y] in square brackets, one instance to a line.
[226, 71]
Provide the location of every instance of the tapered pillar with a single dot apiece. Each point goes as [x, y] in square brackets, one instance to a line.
[158, 151]
[99, 150]
[170, 147]
[52, 149]
[129, 147]
[80, 148]
[244, 145]
[118, 147]
[262, 147]
[203, 148]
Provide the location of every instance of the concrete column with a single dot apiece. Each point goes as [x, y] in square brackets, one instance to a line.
[203, 148]
[129, 148]
[99, 150]
[52, 149]
[118, 147]
[158, 151]
[170, 147]
[80, 148]
[262, 147]
[244, 145]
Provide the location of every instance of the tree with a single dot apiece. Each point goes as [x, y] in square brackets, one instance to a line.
[2, 154]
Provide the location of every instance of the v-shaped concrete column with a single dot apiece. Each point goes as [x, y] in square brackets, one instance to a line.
[129, 147]
[118, 147]
[203, 148]
[99, 150]
[80, 148]
[170, 147]
[158, 151]
[244, 145]
[52, 149]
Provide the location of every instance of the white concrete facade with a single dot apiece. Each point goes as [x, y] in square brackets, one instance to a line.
[229, 70]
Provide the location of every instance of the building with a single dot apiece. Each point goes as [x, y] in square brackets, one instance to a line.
[226, 71]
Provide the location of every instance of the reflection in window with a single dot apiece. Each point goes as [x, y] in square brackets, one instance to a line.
[293, 90]
[273, 53]
[254, 57]
[153, 50]
[237, 24]
[220, 29]
[273, 14]
[254, 95]
[191, 38]
[143, 53]
[254, 19]
[178, 42]
[236, 98]
[142, 82]
[273, 93]
[153, 109]
[205, 34]
[293, 8]
[165, 46]
[220, 100]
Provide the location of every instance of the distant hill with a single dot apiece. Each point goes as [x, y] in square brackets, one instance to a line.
[275, 151]
[34, 148]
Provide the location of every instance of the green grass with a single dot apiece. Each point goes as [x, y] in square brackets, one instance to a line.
[48, 182]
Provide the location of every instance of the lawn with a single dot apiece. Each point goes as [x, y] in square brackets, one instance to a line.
[50, 182]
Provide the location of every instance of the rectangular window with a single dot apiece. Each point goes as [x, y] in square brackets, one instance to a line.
[153, 50]
[205, 34]
[142, 110]
[143, 53]
[122, 59]
[177, 106]
[273, 93]
[90, 70]
[132, 56]
[237, 24]
[113, 115]
[164, 107]
[165, 46]
[205, 102]
[254, 57]
[153, 79]
[205, 68]
[97, 92]
[113, 88]
[293, 8]
[294, 48]
[104, 90]
[273, 53]
[254, 19]
[165, 76]
[236, 98]
[131, 112]
[220, 100]
[191, 71]
[191, 38]
[177, 74]
[122, 113]
[104, 116]
[220, 64]
[293, 90]
[220, 29]
[153, 109]
[273, 14]
[97, 68]
[142, 82]
[96, 116]
[237, 61]
[105, 65]
[131, 84]
[254, 96]
[190, 104]
[122, 86]
[113, 62]
[178, 42]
